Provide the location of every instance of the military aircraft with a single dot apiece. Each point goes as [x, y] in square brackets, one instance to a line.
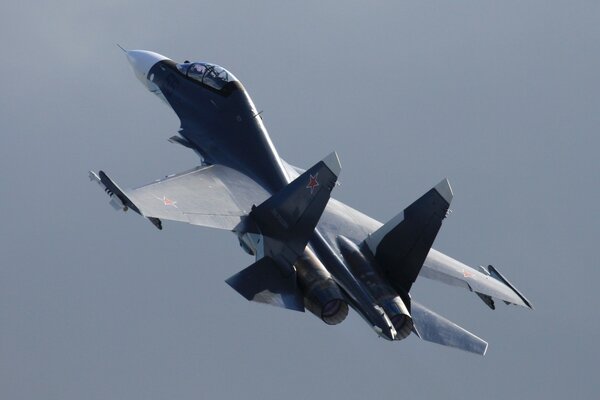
[311, 252]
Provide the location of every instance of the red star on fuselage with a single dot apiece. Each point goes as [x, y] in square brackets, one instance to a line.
[313, 183]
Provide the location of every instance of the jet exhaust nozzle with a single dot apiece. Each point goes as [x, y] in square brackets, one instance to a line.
[322, 296]
[368, 272]
[399, 316]
[325, 304]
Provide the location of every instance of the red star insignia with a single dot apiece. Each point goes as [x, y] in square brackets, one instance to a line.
[312, 183]
[467, 274]
[166, 201]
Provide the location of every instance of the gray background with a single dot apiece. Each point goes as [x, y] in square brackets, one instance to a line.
[500, 97]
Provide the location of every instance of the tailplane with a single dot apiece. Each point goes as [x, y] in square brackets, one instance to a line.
[278, 231]
[265, 282]
[434, 328]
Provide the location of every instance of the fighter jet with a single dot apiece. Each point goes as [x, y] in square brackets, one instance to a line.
[311, 251]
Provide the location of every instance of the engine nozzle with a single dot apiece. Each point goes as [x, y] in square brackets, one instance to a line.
[365, 268]
[322, 296]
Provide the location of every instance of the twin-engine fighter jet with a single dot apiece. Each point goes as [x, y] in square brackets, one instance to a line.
[311, 252]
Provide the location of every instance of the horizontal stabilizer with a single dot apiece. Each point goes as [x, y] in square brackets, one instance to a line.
[401, 245]
[265, 282]
[434, 328]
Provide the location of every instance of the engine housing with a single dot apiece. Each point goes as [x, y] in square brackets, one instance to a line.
[367, 271]
[322, 296]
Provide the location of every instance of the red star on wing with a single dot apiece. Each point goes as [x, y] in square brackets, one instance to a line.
[312, 183]
[168, 202]
[467, 274]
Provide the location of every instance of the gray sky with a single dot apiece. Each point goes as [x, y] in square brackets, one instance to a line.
[500, 97]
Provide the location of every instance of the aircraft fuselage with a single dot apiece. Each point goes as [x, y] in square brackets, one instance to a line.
[221, 105]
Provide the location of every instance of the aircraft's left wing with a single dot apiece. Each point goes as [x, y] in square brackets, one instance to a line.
[213, 196]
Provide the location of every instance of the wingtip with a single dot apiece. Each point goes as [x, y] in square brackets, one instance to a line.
[524, 302]
[485, 349]
[93, 176]
[332, 161]
[445, 190]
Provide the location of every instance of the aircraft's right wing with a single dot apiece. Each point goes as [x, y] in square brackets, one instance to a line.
[214, 196]
[487, 283]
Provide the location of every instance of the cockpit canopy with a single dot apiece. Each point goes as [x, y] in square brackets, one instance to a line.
[208, 74]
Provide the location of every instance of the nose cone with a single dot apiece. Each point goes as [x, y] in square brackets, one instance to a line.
[141, 61]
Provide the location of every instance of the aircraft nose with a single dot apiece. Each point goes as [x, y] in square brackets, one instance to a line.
[141, 61]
